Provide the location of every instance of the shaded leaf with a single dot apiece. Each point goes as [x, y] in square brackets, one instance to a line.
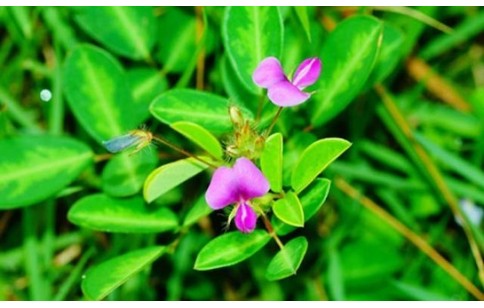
[104, 278]
[289, 210]
[197, 211]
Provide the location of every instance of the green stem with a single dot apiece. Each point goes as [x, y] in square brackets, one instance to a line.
[32, 264]
[56, 111]
[182, 151]
[276, 117]
[271, 231]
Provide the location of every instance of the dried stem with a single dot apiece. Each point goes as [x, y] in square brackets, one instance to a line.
[411, 236]
[434, 173]
[199, 31]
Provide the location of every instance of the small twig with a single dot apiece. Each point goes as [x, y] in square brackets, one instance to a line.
[276, 117]
[271, 231]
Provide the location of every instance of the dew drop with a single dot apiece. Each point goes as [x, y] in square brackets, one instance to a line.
[45, 95]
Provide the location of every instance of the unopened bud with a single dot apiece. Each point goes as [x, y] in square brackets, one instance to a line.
[236, 116]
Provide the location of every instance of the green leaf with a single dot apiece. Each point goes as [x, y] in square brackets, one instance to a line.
[251, 34]
[168, 176]
[33, 168]
[207, 110]
[128, 215]
[390, 54]
[125, 173]
[315, 159]
[348, 57]
[98, 93]
[146, 85]
[104, 278]
[302, 15]
[289, 210]
[230, 248]
[200, 136]
[198, 210]
[312, 198]
[127, 31]
[286, 262]
[271, 161]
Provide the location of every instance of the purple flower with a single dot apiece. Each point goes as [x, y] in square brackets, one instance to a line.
[239, 184]
[281, 91]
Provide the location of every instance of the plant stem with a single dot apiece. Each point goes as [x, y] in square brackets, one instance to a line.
[33, 266]
[182, 151]
[276, 117]
[271, 231]
[414, 238]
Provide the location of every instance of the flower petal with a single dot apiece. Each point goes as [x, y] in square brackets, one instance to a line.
[307, 73]
[222, 190]
[268, 73]
[251, 183]
[285, 94]
[245, 218]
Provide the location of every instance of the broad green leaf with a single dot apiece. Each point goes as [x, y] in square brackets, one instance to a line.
[348, 56]
[389, 56]
[200, 136]
[312, 199]
[146, 84]
[98, 93]
[289, 210]
[33, 168]
[302, 15]
[198, 210]
[128, 31]
[125, 173]
[286, 262]
[127, 215]
[234, 87]
[271, 161]
[168, 176]
[251, 34]
[207, 110]
[315, 159]
[104, 278]
[464, 168]
[230, 248]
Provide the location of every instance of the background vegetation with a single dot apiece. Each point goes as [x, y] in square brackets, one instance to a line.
[403, 219]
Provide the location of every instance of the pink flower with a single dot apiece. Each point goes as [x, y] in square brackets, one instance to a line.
[238, 185]
[281, 91]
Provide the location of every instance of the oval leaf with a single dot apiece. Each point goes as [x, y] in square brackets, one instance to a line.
[390, 53]
[130, 32]
[33, 168]
[289, 210]
[103, 213]
[271, 161]
[315, 159]
[125, 173]
[286, 262]
[104, 278]
[168, 176]
[200, 136]
[312, 199]
[251, 34]
[348, 57]
[98, 93]
[230, 248]
[207, 110]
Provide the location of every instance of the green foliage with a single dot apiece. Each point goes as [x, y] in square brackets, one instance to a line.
[400, 94]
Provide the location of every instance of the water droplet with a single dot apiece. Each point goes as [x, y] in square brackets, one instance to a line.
[45, 95]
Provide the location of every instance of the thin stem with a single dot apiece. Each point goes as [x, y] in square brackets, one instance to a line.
[182, 151]
[260, 106]
[433, 173]
[199, 31]
[414, 238]
[33, 265]
[56, 107]
[276, 117]
[271, 231]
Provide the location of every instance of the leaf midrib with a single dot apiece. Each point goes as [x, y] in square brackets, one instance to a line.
[131, 32]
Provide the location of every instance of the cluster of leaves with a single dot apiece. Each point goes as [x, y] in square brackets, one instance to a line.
[141, 221]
